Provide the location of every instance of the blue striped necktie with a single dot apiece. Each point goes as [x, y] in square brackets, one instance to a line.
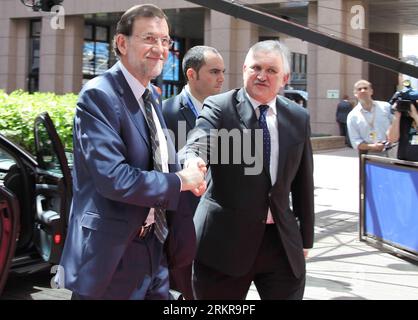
[161, 229]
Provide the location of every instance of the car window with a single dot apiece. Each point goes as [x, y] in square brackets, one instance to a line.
[6, 161]
[46, 154]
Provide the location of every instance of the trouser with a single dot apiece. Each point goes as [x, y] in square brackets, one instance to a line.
[271, 273]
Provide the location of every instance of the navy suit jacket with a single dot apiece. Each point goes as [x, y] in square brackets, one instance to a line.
[180, 119]
[114, 186]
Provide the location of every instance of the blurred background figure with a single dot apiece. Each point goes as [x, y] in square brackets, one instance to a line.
[369, 121]
[343, 109]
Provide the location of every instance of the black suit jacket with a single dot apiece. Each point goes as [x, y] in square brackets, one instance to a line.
[230, 218]
[179, 118]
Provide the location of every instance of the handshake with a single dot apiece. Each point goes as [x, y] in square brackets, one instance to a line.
[193, 176]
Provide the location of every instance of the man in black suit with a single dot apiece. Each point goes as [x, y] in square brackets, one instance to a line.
[203, 68]
[245, 226]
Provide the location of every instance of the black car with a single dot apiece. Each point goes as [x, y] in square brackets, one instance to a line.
[35, 197]
[299, 96]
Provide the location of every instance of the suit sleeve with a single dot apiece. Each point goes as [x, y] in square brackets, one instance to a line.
[202, 139]
[100, 146]
[303, 192]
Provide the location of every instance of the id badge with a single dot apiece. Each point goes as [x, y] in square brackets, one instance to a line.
[373, 136]
[414, 140]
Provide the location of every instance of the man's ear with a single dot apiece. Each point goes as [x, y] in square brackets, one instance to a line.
[191, 74]
[286, 78]
[121, 42]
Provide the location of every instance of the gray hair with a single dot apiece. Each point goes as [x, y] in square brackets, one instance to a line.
[273, 45]
[195, 58]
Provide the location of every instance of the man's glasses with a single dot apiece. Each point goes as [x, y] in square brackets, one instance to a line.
[166, 42]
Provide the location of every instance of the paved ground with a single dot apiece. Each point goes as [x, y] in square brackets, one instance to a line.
[339, 267]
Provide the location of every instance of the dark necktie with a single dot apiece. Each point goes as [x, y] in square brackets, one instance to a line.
[161, 230]
[262, 121]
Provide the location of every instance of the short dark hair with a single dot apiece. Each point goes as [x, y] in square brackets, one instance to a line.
[126, 21]
[195, 58]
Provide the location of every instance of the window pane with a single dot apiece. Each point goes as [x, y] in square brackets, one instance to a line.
[88, 32]
[35, 28]
[171, 67]
[48, 159]
[101, 34]
[88, 58]
[101, 57]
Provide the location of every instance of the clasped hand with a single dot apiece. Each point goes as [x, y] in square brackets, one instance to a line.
[193, 176]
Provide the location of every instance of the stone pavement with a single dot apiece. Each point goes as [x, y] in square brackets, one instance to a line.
[340, 267]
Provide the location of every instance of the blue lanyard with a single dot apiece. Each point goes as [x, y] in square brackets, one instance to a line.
[190, 104]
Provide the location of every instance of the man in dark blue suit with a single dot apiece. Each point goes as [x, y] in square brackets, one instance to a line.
[203, 68]
[127, 183]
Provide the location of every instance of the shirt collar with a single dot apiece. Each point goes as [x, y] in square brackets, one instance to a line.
[196, 103]
[256, 104]
[136, 86]
[365, 110]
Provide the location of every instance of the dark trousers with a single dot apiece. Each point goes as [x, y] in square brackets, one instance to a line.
[142, 274]
[344, 132]
[271, 273]
[181, 281]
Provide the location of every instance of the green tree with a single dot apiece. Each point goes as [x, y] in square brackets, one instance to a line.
[19, 109]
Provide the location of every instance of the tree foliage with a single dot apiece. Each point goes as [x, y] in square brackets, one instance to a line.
[19, 109]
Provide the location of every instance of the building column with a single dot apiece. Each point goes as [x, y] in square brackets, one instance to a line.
[232, 38]
[332, 74]
[14, 49]
[73, 54]
[61, 56]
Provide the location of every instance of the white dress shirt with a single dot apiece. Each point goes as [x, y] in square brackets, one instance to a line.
[196, 103]
[366, 126]
[138, 90]
[272, 124]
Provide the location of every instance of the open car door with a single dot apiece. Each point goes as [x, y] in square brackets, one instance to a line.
[9, 228]
[53, 190]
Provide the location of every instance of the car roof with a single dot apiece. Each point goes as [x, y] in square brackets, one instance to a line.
[302, 93]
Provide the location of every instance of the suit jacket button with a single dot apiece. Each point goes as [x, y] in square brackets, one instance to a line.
[263, 221]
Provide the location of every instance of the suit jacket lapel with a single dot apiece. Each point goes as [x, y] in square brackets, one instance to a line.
[282, 123]
[249, 119]
[130, 102]
[186, 111]
[246, 111]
